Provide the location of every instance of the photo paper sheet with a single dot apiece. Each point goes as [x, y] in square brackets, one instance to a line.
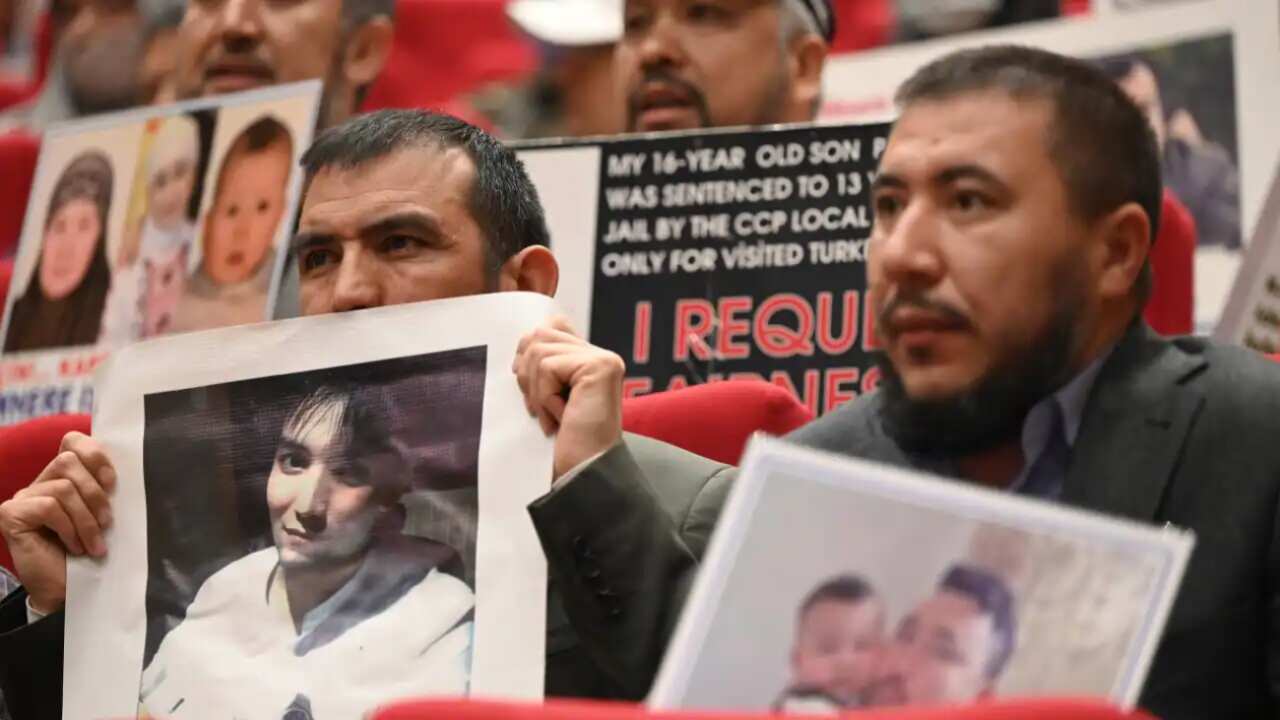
[1205, 72]
[720, 254]
[146, 223]
[1252, 315]
[900, 588]
[317, 516]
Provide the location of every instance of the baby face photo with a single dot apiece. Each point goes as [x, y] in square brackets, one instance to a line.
[312, 539]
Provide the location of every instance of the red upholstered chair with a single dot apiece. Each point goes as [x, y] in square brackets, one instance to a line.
[6, 277]
[26, 448]
[1171, 309]
[444, 48]
[18, 154]
[715, 420]
[1044, 709]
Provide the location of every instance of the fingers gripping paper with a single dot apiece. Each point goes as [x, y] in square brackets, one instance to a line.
[316, 517]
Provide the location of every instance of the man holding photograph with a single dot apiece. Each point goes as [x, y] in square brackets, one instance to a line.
[405, 206]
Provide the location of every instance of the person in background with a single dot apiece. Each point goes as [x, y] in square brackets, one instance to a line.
[569, 94]
[111, 55]
[685, 64]
[953, 647]
[63, 303]
[839, 633]
[926, 19]
[1197, 170]
[234, 45]
[230, 285]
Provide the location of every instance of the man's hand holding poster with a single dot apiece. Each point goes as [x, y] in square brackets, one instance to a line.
[316, 516]
[148, 223]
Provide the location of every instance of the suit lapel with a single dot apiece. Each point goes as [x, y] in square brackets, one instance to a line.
[1135, 422]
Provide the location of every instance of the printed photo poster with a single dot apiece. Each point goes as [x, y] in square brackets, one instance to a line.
[1204, 71]
[316, 517]
[147, 223]
[718, 255]
[900, 588]
[1252, 316]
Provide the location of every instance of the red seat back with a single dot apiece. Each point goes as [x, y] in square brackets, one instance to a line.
[1041, 709]
[715, 420]
[1171, 309]
[26, 448]
[444, 48]
[6, 277]
[18, 154]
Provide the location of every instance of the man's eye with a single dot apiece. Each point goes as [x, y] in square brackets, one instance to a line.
[635, 23]
[313, 260]
[970, 201]
[292, 462]
[233, 211]
[886, 206]
[263, 206]
[707, 11]
[400, 244]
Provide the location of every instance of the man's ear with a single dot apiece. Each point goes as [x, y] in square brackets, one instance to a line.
[1124, 244]
[533, 269]
[808, 57]
[366, 53]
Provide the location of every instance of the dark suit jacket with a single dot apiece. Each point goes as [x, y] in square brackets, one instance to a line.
[1188, 433]
[640, 496]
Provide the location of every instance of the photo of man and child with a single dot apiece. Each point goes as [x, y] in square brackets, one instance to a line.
[192, 245]
[865, 609]
[952, 647]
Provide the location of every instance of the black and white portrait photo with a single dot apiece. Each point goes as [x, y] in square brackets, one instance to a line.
[285, 573]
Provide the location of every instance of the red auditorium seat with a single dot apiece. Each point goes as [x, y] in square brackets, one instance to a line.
[26, 448]
[18, 154]
[6, 276]
[715, 420]
[1171, 309]
[446, 48]
[1042, 709]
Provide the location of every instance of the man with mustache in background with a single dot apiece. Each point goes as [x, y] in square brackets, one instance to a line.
[235, 45]
[687, 64]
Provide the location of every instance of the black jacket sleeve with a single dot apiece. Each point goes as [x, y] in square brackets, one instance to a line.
[30, 661]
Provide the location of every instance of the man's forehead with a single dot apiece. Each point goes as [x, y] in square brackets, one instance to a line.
[430, 178]
[988, 127]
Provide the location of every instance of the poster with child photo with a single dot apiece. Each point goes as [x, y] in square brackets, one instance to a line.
[146, 223]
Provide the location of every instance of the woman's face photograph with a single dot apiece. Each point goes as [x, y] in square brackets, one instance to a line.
[70, 241]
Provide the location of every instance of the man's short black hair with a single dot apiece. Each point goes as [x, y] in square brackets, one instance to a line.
[842, 588]
[504, 202]
[993, 598]
[1104, 147]
[358, 12]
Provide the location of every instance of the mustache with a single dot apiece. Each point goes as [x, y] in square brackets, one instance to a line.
[662, 75]
[923, 303]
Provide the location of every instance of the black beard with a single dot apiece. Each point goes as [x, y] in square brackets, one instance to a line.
[992, 412]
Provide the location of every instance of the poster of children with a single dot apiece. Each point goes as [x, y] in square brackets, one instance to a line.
[147, 223]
